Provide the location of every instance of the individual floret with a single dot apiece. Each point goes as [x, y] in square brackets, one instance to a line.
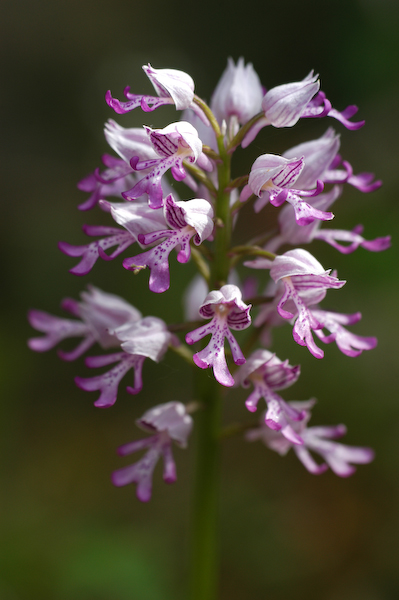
[170, 422]
[272, 178]
[172, 86]
[99, 313]
[342, 240]
[193, 218]
[323, 162]
[227, 310]
[268, 374]
[119, 175]
[349, 343]
[285, 104]
[137, 219]
[147, 337]
[174, 144]
[238, 95]
[339, 457]
[305, 283]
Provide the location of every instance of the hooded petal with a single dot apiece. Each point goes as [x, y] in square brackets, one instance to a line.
[137, 217]
[129, 142]
[318, 156]
[174, 83]
[239, 93]
[197, 213]
[283, 105]
[271, 171]
[147, 337]
[296, 262]
[103, 312]
[170, 417]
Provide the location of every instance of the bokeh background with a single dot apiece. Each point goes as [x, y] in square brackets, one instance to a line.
[65, 532]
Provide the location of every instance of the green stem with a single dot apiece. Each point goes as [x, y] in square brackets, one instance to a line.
[205, 551]
[221, 264]
[238, 252]
[201, 263]
[207, 111]
[205, 547]
[243, 131]
[201, 176]
[238, 182]
[183, 352]
[210, 152]
[252, 251]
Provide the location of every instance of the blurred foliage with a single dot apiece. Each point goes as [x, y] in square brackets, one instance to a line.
[66, 533]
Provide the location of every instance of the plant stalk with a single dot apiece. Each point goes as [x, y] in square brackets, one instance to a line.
[205, 542]
[205, 547]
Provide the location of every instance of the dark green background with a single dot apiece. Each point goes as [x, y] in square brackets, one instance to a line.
[66, 533]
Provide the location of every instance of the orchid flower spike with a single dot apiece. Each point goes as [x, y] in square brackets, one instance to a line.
[131, 187]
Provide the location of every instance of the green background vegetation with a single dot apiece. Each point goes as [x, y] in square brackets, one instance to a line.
[65, 532]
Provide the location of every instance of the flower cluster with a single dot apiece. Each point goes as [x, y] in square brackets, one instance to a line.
[133, 189]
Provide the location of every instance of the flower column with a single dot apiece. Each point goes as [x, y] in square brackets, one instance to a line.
[160, 223]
